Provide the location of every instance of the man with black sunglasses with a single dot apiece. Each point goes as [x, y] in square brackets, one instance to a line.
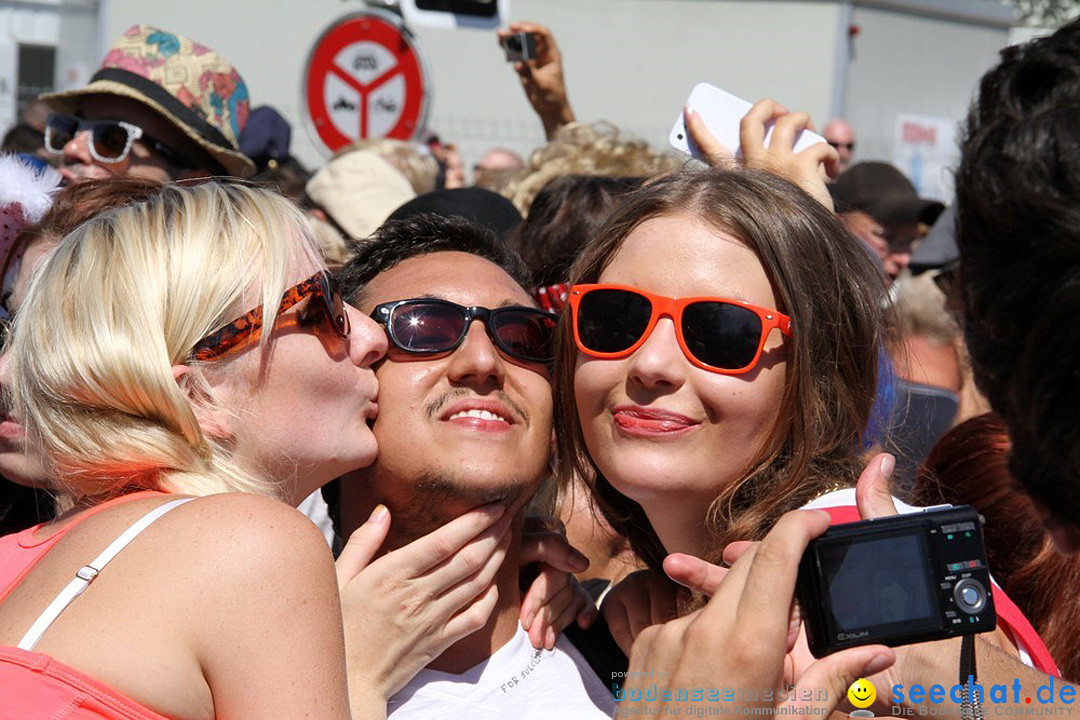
[160, 107]
[465, 418]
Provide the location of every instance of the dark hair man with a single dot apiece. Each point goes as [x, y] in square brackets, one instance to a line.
[465, 412]
[161, 106]
[1018, 228]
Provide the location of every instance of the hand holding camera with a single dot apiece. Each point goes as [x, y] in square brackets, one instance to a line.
[897, 580]
[741, 637]
[538, 63]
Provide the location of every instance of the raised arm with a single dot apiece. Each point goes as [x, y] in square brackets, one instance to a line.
[542, 78]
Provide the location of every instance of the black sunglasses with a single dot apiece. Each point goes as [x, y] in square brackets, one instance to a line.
[722, 335]
[110, 140]
[428, 326]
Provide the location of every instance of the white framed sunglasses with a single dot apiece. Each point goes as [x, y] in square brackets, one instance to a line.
[109, 142]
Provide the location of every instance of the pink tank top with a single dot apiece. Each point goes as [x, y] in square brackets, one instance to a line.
[33, 685]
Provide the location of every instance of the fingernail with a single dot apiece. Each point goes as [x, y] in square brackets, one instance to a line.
[550, 641]
[580, 562]
[690, 110]
[493, 510]
[879, 663]
[379, 514]
[888, 464]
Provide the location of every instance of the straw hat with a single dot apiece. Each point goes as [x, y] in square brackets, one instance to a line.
[189, 84]
[358, 191]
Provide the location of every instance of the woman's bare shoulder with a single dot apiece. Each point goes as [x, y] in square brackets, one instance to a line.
[242, 529]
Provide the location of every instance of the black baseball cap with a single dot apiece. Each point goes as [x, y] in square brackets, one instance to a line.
[881, 191]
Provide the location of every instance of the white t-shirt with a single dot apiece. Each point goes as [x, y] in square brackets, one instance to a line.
[517, 682]
[316, 510]
[846, 497]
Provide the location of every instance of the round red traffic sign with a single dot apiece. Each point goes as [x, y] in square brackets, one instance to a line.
[366, 77]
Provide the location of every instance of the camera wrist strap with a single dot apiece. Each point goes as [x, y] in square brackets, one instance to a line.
[971, 706]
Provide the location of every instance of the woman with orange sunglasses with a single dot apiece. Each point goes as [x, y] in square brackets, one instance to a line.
[717, 368]
[720, 360]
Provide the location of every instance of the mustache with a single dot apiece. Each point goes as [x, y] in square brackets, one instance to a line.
[443, 400]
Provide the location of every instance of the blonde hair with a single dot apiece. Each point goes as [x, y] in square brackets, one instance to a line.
[920, 309]
[125, 297]
[587, 149]
[419, 169]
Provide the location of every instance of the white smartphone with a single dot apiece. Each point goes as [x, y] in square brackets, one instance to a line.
[722, 113]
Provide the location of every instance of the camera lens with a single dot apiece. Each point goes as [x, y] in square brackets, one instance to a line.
[970, 595]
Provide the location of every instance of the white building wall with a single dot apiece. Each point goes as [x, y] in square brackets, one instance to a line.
[629, 61]
[632, 62]
[905, 63]
[83, 44]
[22, 23]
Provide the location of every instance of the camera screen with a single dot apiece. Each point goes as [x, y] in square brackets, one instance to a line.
[878, 582]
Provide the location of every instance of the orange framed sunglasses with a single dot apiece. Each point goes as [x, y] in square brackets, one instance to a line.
[248, 327]
[721, 335]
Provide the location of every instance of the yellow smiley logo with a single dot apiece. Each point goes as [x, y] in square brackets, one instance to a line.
[862, 693]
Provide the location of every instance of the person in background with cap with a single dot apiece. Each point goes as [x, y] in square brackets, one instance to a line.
[265, 140]
[936, 263]
[349, 197]
[161, 107]
[880, 206]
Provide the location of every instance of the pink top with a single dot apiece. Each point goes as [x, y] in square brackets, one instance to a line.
[34, 685]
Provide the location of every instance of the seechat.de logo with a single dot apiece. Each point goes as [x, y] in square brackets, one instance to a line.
[1006, 699]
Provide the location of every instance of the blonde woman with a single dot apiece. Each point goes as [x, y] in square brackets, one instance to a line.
[182, 364]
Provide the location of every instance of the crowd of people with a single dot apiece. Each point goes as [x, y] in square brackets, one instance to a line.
[554, 441]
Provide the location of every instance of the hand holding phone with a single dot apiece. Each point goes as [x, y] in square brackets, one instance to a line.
[722, 114]
[719, 128]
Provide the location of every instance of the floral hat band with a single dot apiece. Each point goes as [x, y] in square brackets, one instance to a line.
[157, 93]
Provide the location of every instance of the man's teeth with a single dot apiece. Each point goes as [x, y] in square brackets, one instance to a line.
[481, 414]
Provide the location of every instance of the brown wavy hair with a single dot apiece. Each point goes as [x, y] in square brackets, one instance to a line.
[825, 280]
[970, 464]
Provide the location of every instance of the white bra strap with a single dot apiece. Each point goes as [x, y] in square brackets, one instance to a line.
[86, 574]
